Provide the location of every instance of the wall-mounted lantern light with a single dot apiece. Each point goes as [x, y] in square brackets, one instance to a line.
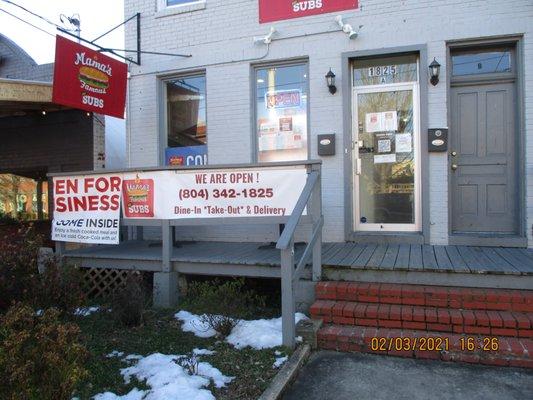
[434, 72]
[330, 81]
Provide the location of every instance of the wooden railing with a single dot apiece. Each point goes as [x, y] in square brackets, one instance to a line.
[311, 197]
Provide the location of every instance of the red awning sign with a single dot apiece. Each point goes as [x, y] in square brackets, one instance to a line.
[88, 80]
[277, 10]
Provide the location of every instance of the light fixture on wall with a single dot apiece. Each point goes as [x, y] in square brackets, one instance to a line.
[265, 39]
[330, 81]
[347, 28]
[434, 72]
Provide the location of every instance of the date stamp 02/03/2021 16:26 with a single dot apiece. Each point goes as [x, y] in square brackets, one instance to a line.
[434, 343]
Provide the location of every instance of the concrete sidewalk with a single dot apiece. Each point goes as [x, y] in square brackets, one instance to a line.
[342, 376]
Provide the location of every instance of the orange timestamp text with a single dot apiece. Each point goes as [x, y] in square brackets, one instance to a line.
[437, 343]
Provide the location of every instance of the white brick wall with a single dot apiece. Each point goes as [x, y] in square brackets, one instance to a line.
[220, 36]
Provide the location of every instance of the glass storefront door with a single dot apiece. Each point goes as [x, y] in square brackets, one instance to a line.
[386, 179]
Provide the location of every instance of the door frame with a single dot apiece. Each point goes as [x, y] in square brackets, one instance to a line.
[515, 41]
[423, 235]
[371, 227]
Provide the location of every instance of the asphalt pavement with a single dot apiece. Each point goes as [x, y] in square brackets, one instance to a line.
[346, 376]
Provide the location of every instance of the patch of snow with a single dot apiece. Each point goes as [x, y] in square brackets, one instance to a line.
[39, 313]
[280, 361]
[115, 353]
[259, 334]
[85, 311]
[192, 323]
[207, 370]
[202, 352]
[168, 380]
[132, 357]
[278, 353]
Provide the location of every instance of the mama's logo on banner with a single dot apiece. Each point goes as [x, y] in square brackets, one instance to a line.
[276, 10]
[138, 197]
[88, 80]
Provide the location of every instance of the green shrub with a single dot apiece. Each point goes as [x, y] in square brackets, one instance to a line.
[18, 266]
[60, 286]
[20, 281]
[129, 303]
[40, 357]
[223, 305]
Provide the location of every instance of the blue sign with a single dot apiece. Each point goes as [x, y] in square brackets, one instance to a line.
[191, 155]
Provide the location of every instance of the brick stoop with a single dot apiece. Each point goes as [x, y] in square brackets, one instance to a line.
[462, 321]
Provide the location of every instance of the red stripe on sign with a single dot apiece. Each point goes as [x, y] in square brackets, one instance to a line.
[277, 10]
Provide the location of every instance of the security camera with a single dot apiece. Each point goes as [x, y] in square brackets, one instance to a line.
[265, 39]
[347, 28]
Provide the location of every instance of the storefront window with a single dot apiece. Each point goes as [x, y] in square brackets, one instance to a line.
[186, 119]
[281, 113]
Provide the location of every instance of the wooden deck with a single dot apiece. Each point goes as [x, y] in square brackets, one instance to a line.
[189, 256]
[404, 257]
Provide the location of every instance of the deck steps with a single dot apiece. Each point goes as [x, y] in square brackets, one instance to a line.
[489, 326]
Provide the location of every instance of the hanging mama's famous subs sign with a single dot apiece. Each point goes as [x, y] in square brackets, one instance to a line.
[88, 80]
[87, 208]
[277, 10]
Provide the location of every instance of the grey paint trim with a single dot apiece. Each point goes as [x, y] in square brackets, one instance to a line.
[253, 114]
[421, 49]
[487, 240]
[517, 76]
[192, 167]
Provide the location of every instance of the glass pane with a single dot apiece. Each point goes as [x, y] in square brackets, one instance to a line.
[187, 126]
[387, 180]
[481, 62]
[177, 2]
[378, 71]
[281, 112]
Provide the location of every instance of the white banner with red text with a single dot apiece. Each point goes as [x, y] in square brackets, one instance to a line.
[87, 208]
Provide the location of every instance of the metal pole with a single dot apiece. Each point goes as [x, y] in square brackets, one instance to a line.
[288, 325]
[138, 38]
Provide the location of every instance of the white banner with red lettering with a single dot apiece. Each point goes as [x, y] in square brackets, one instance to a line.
[87, 208]
[250, 192]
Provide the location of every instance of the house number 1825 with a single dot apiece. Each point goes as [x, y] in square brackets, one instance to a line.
[384, 70]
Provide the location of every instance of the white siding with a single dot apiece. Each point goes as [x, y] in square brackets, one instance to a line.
[219, 38]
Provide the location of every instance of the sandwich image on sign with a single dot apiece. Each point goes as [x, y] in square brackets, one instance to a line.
[138, 198]
[93, 77]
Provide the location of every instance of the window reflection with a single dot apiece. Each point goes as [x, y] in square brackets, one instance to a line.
[281, 113]
[481, 62]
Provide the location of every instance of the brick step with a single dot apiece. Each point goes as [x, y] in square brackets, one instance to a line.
[496, 323]
[512, 352]
[423, 295]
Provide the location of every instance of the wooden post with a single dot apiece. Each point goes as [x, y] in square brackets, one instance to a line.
[166, 236]
[140, 232]
[39, 199]
[288, 325]
[316, 214]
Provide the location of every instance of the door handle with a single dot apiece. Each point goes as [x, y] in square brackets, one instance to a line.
[454, 167]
